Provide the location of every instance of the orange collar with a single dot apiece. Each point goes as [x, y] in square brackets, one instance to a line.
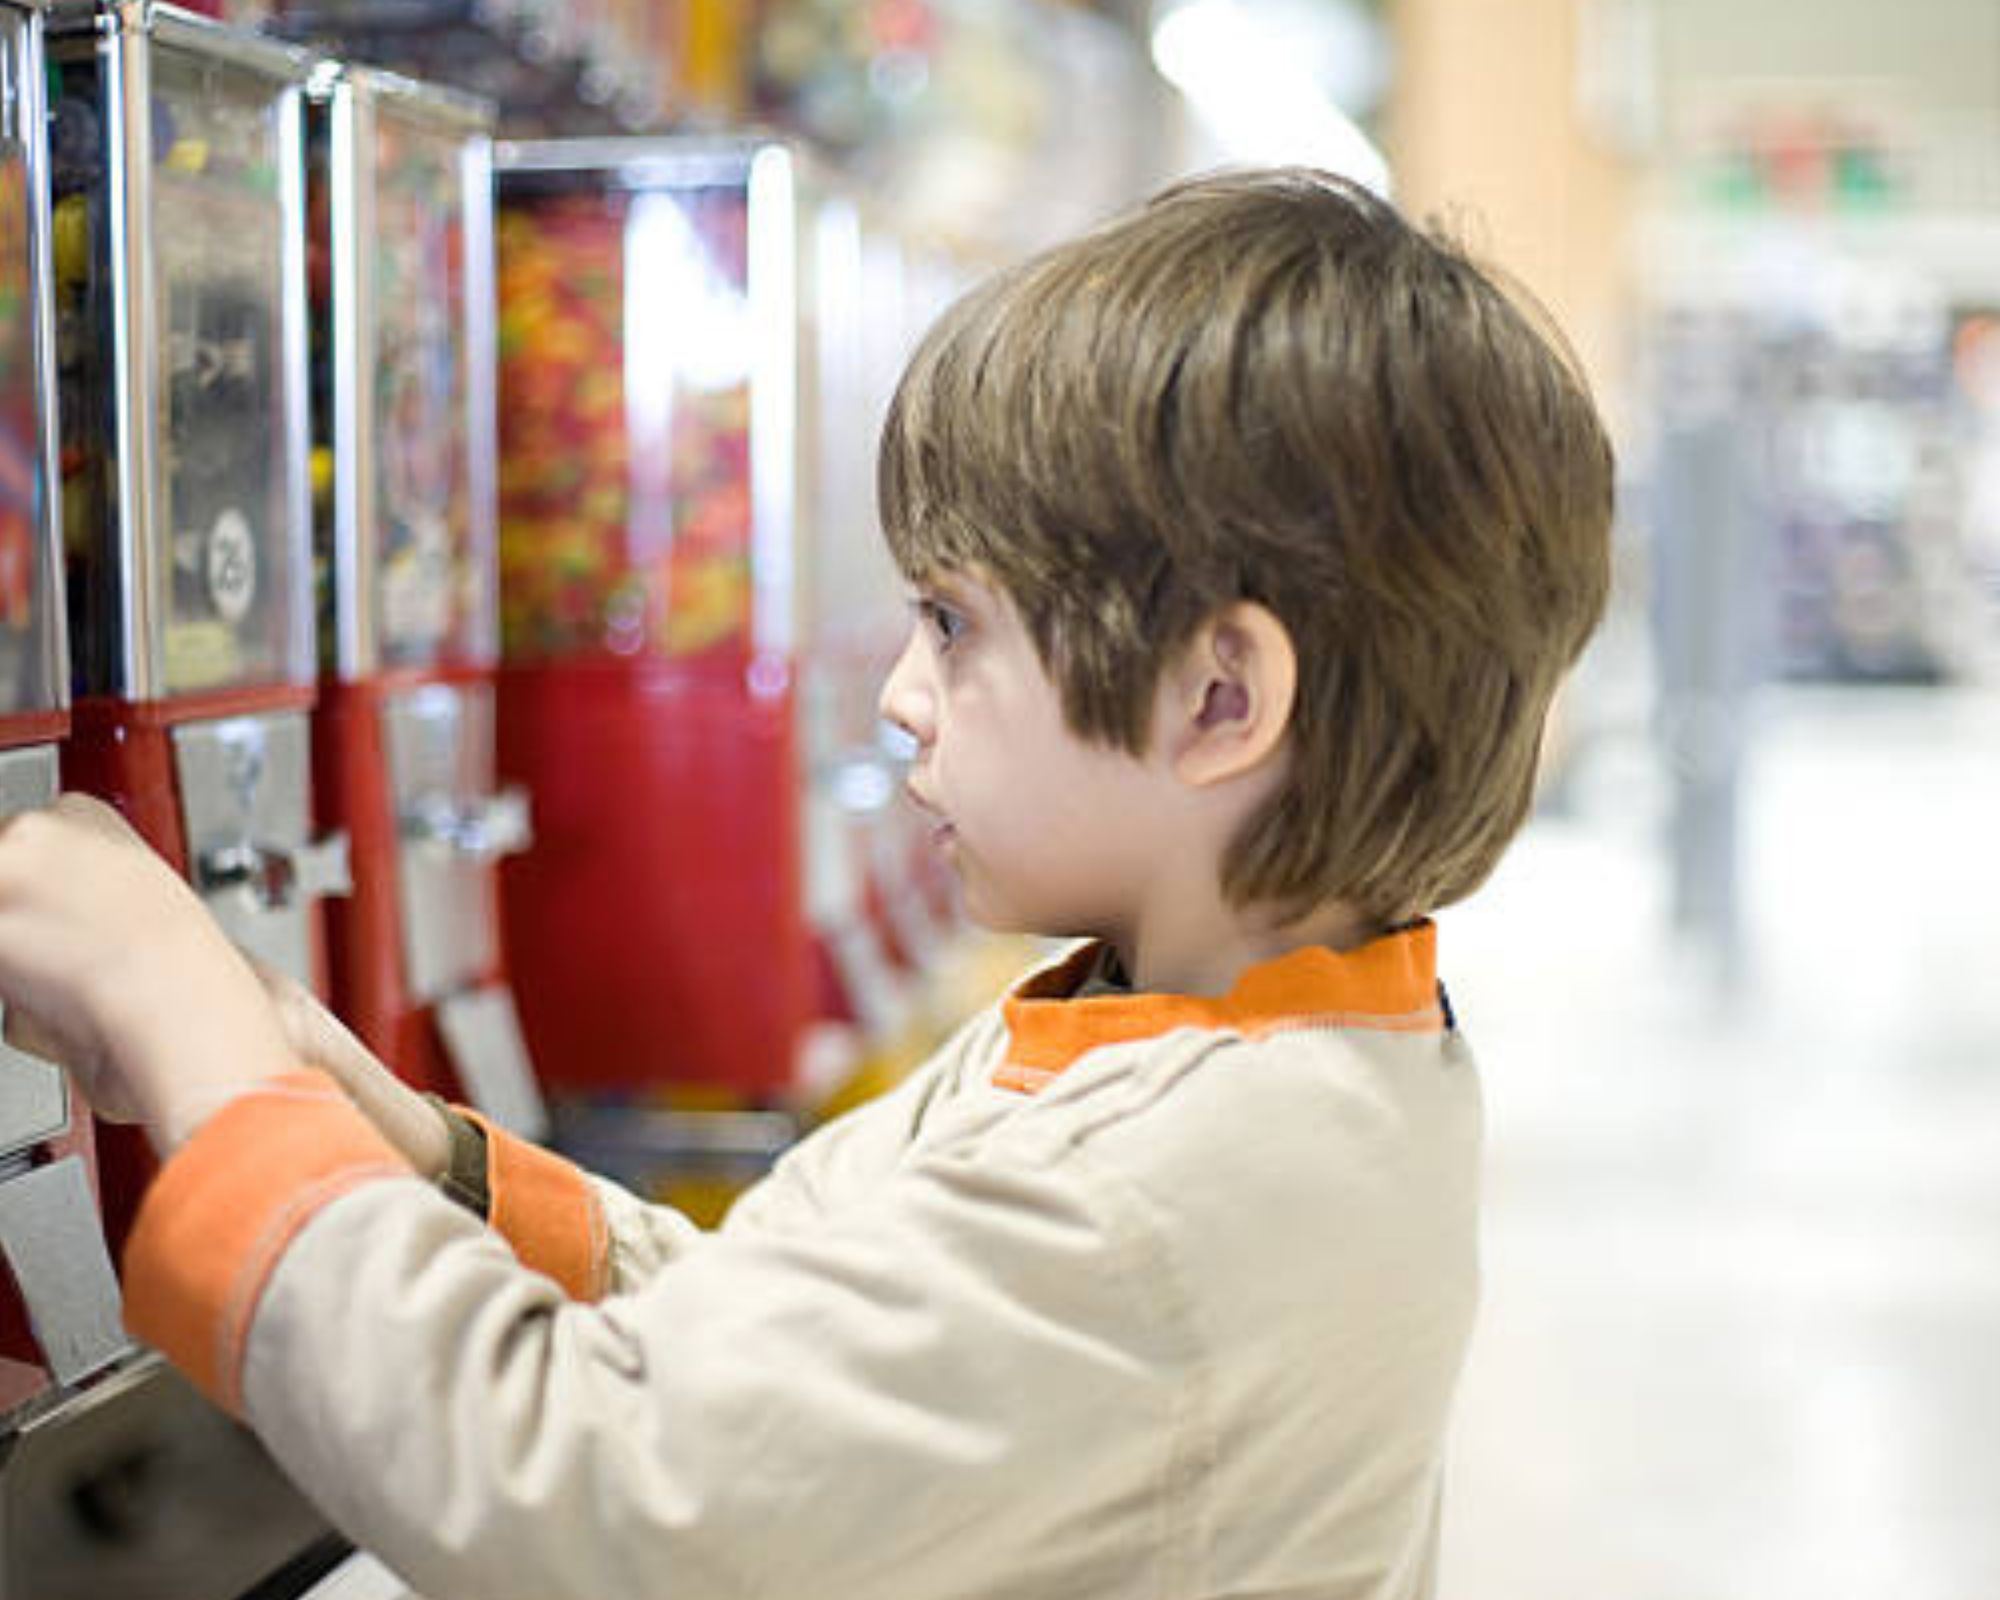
[1389, 984]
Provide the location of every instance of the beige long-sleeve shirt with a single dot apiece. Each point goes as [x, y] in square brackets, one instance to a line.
[1134, 1296]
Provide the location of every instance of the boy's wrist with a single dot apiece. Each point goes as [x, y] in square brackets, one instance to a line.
[183, 1049]
[180, 1112]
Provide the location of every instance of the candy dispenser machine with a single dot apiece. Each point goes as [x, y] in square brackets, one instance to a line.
[116, 1478]
[404, 764]
[58, 1298]
[654, 392]
[177, 171]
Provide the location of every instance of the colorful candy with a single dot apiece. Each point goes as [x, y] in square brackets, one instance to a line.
[625, 459]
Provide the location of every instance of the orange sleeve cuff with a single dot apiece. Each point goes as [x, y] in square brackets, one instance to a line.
[223, 1209]
[546, 1209]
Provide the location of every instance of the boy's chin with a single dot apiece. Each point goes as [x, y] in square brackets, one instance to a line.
[1022, 921]
[993, 914]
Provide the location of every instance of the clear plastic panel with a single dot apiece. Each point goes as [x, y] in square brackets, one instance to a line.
[230, 609]
[626, 360]
[433, 583]
[86, 378]
[31, 670]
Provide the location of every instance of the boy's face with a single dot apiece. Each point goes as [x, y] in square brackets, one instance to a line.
[1047, 833]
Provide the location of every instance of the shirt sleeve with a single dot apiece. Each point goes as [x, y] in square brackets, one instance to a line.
[593, 1236]
[845, 1160]
[954, 1386]
[596, 1237]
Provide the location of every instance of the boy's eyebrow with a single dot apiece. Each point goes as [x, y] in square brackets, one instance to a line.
[946, 586]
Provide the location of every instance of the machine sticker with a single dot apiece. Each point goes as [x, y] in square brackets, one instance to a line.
[231, 566]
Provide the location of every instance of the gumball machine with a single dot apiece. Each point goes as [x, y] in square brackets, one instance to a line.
[404, 765]
[177, 169]
[58, 1297]
[656, 487]
[166, 254]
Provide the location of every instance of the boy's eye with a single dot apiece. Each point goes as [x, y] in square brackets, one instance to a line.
[944, 625]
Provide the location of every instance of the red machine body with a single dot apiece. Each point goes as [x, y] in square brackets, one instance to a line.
[656, 924]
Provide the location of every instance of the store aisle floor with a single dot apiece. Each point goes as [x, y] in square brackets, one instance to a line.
[1741, 1334]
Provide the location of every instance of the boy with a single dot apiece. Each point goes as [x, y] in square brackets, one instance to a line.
[1250, 536]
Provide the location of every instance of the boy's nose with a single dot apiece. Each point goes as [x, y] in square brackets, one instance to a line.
[905, 701]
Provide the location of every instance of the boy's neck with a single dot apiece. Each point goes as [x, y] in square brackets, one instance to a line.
[1207, 956]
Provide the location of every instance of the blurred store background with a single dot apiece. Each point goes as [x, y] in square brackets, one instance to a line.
[1734, 990]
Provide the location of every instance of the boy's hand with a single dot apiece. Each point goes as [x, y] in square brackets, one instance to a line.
[110, 964]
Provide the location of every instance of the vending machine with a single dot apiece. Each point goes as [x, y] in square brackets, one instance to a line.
[58, 1298]
[402, 205]
[661, 429]
[116, 1478]
[179, 262]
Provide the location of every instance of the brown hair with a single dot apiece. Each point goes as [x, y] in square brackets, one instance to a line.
[1269, 386]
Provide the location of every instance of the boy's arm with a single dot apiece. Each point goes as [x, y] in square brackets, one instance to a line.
[611, 1239]
[591, 1236]
[904, 1399]
[110, 964]
[847, 1158]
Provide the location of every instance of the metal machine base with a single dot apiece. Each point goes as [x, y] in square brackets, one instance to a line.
[138, 1489]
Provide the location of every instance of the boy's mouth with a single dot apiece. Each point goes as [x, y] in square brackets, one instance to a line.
[942, 831]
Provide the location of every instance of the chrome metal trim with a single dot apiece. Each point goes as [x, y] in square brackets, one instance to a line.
[76, 19]
[359, 1577]
[34, 1104]
[303, 667]
[482, 389]
[278, 877]
[53, 1240]
[208, 1514]
[436, 102]
[28, 778]
[34, 1094]
[474, 832]
[773, 251]
[641, 162]
[125, 58]
[218, 41]
[350, 216]
[35, 143]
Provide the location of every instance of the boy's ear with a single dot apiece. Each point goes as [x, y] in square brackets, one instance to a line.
[1230, 695]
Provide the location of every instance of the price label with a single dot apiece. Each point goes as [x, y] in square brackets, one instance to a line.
[231, 566]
